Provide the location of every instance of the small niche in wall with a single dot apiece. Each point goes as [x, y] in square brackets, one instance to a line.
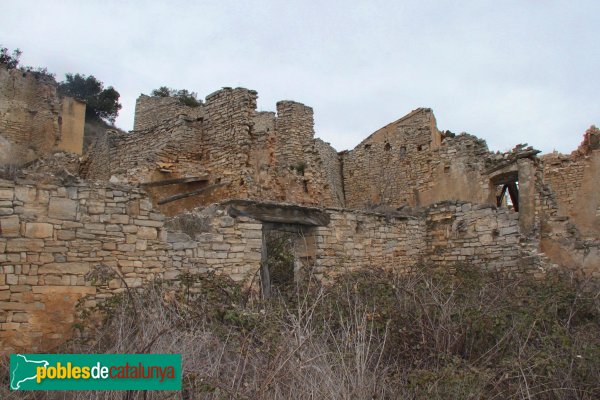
[387, 147]
[446, 169]
[402, 152]
[419, 147]
[305, 184]
[367, 146]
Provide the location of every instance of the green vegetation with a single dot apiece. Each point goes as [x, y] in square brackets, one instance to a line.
[102, 104]
[185, 97]
[11, 61]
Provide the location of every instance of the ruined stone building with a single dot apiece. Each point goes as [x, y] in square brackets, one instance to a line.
[197, 189]
[35, 120]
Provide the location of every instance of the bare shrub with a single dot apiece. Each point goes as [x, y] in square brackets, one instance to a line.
[10, 171]
[189, 223]
[371, 334]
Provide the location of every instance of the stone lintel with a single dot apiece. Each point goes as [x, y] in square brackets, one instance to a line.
[277, 212]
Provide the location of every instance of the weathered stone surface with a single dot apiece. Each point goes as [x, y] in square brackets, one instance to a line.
[77, 268]
[18, 245]
[281, 213]
[255, 155]
[38, 230]
[35, 120]
[25, 194]
[10, 226]
[6, 194]
[61, 208]
[147, 233]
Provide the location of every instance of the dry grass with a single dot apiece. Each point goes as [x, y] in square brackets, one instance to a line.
[371, 335]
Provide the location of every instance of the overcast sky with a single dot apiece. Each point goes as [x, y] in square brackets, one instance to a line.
[507, 71]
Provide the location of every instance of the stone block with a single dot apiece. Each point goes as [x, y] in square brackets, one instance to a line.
[65, 235]
[10, 226]
[147, 232]
[25, 194]
[95, 207]
[126, 247]
[253, 234]
[119, 219]
[94, 227]
[6, 194]
[24, 245]
[13, 306]
[509, 230]
[76, 268]
[12, 279]
[184, 245]
[220, 246]
[130, 229]
[38, 230]
[62, 208]
[147, 222]
[252, 226]
[67, 289]
[20, 317]
[109, 246]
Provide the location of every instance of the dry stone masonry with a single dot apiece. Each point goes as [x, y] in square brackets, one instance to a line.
[204, 189]
[34, 120]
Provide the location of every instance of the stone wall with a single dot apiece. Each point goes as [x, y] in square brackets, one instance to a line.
[355, 240]
[53, 235]
[152, 111]
[71, 123]
[330, 164]
[295, 132]
[480, 235]
[409, 162]
[136, 157]
[34, 120]
[574, 179]
[244, 153]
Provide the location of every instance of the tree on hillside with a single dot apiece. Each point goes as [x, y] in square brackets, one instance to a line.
[185, 97]
[8, 60]
[102, 104]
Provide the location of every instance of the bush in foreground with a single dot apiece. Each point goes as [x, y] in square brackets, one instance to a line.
[372, 334]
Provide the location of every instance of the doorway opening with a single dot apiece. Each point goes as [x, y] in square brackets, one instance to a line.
[287, 256]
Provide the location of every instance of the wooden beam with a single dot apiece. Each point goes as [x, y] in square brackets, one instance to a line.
[500, 198]
[188, 194]
[513, 191]
[175, 181]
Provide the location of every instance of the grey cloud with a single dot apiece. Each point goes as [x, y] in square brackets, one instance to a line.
[508, 72]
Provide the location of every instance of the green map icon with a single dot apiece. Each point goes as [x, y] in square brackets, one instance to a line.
[23, 369]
